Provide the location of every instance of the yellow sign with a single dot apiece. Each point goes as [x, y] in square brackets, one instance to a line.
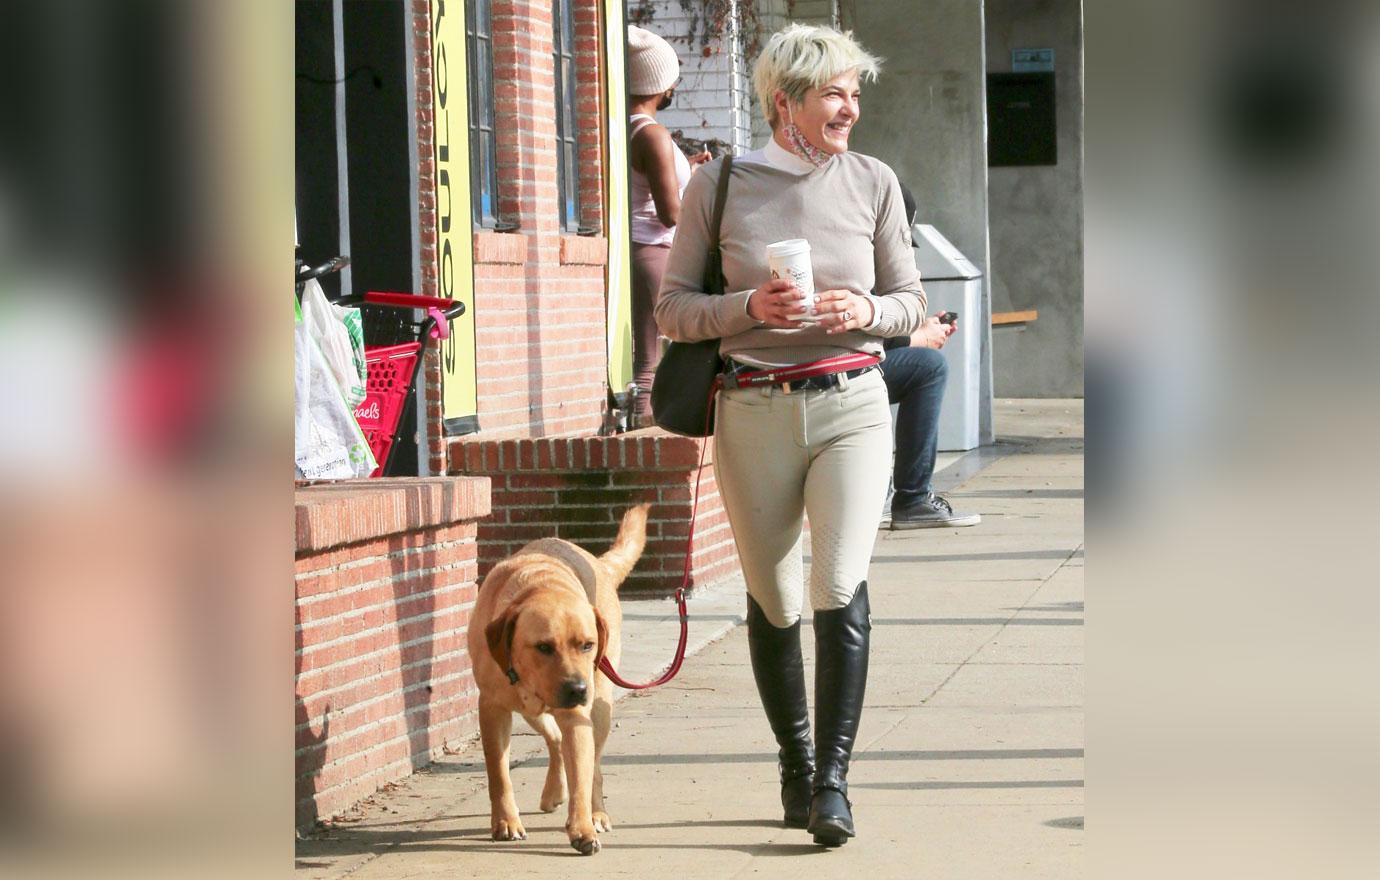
[454, 225]
[616, 201]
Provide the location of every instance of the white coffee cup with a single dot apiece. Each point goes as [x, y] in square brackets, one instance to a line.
[790, 260]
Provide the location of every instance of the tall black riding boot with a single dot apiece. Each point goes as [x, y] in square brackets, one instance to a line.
[841, 643]
[780, 675]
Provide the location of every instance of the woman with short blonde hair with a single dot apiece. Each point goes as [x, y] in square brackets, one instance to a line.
[820, 446]
[799, 58]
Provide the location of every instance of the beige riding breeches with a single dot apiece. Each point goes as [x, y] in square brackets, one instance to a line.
[779, 456]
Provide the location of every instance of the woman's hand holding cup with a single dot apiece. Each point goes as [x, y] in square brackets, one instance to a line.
[843, 310]
[777, 303]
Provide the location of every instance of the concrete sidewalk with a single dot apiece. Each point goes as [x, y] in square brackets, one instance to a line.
[969, 762]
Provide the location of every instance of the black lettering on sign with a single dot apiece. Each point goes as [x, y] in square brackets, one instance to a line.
[446, 276]
[443, 186]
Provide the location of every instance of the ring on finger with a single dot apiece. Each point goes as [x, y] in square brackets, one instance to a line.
[847, 316]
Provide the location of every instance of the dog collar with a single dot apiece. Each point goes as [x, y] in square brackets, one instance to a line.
[512, 675]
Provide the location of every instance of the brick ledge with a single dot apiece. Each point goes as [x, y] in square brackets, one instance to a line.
[509, 248]
[347, 512]
[648, 448]
[584, 251]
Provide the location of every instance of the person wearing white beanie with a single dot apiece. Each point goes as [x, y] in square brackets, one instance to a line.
[652, 64]
[660, 172]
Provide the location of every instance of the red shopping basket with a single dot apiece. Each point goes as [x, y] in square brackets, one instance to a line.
[390, 371]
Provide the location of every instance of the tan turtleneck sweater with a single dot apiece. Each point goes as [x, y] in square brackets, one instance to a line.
[851, 212]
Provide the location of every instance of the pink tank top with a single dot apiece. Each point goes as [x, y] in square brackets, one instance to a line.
[646, 228]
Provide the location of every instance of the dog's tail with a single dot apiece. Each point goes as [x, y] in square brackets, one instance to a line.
[627, 547]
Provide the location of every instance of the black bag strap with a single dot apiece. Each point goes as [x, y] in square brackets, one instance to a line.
[720, 199]
[713, 267]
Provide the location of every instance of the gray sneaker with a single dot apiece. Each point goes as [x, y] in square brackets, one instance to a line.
[931, 512]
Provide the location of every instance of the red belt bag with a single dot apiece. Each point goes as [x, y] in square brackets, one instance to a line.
[785, 376]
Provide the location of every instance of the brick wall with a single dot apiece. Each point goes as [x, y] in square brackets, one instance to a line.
[430, 378]
[386, 575]
[578, 488]
[540, 319]
[589, 109]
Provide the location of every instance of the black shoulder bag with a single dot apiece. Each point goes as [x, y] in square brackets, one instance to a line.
[686, 378]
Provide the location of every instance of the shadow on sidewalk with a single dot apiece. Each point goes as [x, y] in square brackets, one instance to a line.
[932, 785]
[994, 556]
[545, 839]
[869, 756]
[1048, 606]
[979, 621]
[1019, 493]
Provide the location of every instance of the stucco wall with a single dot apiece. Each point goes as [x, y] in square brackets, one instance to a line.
[774, 15]
[1036, 213]
[926, 116]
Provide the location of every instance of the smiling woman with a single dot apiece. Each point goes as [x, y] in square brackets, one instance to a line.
[841, 218]
[824, 117]
[809, 78]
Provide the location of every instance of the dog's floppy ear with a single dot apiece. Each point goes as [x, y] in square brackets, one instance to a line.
[499, 633]
[603, 629]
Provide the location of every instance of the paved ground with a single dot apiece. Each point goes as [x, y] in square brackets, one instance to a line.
[970, 757]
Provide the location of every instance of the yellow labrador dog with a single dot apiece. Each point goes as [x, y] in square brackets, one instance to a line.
[543, 619]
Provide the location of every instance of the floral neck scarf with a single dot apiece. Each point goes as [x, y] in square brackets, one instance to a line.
[801, 146]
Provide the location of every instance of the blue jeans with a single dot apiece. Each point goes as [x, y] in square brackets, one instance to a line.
[915, 379]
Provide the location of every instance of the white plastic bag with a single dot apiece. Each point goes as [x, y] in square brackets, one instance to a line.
[326, 324]
[329, 443]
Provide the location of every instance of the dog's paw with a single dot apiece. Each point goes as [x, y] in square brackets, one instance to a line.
[585, 846]
[509, 828]
[582, 837]
[602, 822]
[551, 799]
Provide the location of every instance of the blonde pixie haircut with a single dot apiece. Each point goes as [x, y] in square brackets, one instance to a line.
[801, 57]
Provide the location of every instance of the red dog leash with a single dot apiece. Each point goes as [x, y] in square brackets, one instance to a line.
[604, 665]
[756, 378]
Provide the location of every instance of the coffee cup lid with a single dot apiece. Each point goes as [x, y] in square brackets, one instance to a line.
[788, 247]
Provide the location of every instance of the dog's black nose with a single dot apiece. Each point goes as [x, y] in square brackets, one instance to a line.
[573, 693]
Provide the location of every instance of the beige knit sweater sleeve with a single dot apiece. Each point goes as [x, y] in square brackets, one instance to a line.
[900, 297]
[684, 312]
